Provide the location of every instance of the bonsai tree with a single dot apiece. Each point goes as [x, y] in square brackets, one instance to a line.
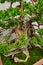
[22, 33]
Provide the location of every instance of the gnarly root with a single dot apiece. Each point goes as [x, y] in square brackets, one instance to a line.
[20, 60]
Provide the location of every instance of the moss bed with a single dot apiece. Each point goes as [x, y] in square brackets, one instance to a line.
[35, 55]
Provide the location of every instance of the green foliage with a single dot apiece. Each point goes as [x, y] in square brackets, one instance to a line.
[2, 24]
[1, 14]
[38, 9]
[10, 23]
[37, 40]
[40, 31]
[4, 15]
[7, 14]
[13, 0]
[13, 11]
[5, 47]
[27, 7]
[41, 20]
[33, 9]
[2, 1]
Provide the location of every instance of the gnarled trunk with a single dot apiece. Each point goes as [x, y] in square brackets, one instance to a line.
[30, 32]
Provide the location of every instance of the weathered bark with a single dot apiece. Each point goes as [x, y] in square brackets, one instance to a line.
[19, 50]
[30, 32]
[15, 51]
[20, 18]
[21, 8]
[26, 52]
[33, 1]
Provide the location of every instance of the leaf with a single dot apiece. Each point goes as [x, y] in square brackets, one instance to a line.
[40, 31]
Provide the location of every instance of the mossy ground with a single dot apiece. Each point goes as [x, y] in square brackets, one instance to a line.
[35, 55]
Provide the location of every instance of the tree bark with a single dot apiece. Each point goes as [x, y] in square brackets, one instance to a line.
[11, 4]
[30, 32]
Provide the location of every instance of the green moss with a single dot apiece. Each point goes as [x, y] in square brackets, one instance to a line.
[37, 40]
[21, 56]
[5, 47]
[35, 55]
[22, 41]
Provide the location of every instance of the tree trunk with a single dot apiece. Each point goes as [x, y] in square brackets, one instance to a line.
[20, 18]
[11, 4]
[30, 32]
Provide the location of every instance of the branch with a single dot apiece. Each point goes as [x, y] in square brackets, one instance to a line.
[16, 51]
[11, 4]
[32, 1]
[26, 52]
[35, 25]
[34, 34]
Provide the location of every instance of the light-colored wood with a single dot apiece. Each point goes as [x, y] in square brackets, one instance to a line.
[0, 61]
[40, 62]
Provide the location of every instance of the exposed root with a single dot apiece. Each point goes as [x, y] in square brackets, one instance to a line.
[20, 60]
